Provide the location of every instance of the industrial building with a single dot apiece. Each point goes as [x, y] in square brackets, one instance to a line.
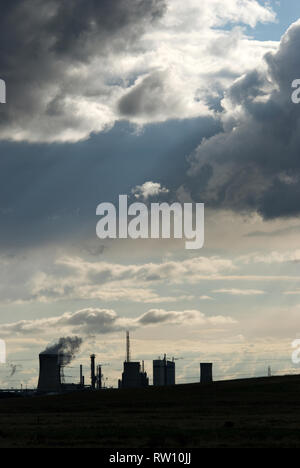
[50, 373]
[163, 372]
[206, 372]
[52, 364]
[133, 374]
[96, 378]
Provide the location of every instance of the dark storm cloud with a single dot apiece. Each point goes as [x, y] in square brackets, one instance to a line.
[42, 43]
[145, 99]
[254, 165]
[49, 193]
[80, 27]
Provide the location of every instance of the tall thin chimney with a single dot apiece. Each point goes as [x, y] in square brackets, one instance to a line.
[80, 378]
[93, 376]
[99, 377]
[127, 347]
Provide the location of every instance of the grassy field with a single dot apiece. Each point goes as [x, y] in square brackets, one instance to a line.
[242, 413]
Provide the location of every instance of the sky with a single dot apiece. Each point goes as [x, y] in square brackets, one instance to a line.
[163, 101]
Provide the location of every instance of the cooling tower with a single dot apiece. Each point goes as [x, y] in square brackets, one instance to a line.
[49, 378]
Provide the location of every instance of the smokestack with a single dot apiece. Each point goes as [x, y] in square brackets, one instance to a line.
[80, 379]
[127, 347]
[93, 376]
[99, 377]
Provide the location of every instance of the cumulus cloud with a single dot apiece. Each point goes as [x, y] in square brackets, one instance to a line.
[103, 321]
[272, 257]
[205, 298]
[51, 64]
[253, 165]
[188, 317]
[239, 292]
[76, 278]
[149, 189]
[75, 68]
[169, 281]
[173, 270]
[45, 288]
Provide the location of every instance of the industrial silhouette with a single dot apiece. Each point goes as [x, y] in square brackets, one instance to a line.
[55, 358]
[164, 371]
[132, 376]
[49, 378]
[206, 372]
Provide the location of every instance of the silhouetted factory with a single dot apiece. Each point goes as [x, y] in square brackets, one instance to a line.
[163, 371]
[51, 375]
[206, 372]
[133, 375]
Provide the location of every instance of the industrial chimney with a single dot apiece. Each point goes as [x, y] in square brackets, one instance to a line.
[128, 356]
[99, 377]
[49, 377]
[81, 377]
[93, 375]
[132, 376]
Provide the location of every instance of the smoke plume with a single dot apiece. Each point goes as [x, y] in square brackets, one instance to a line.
[66, 347]
[12, 369]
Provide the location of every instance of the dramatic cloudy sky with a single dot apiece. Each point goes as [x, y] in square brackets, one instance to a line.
[162, 100]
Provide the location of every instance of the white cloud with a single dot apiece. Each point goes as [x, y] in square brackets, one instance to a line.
[239, 292]
[193, 58]
[148, 189]
[76, 278]
[102, 321]
[253, 165]
[168, 70]
[173, 270]
[292, 256]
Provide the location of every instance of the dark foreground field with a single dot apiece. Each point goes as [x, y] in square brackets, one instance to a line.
[242, 413]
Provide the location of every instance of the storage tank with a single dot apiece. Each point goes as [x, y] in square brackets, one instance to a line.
[206, 372]
[163, 372]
